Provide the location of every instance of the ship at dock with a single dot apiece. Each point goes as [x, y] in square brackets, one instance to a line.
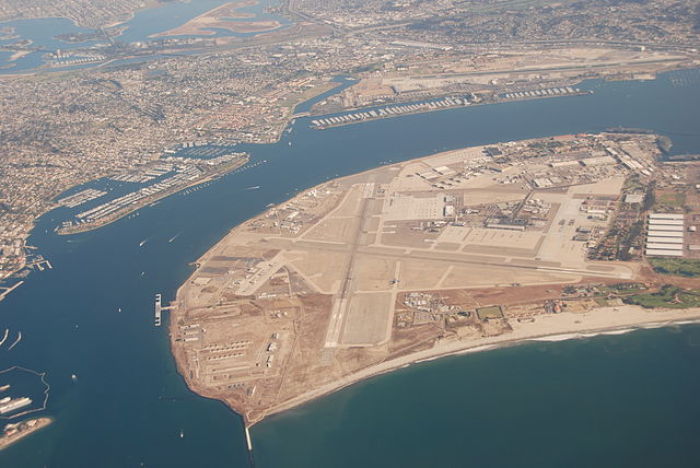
[9, 405]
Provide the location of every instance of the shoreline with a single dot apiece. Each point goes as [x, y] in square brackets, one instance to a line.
[678, 317]
[427, 111]
[86, 227]
[6, 440]
[199, 24]
[556, 327]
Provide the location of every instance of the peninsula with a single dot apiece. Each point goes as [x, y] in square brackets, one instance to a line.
[455, 252]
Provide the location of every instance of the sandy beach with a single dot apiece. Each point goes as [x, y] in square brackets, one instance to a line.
[226, 17]
[548, 328]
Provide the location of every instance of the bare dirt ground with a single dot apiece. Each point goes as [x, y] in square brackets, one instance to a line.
[355, 276]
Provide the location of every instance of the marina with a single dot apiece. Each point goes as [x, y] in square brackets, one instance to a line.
[541, 93]
[81, 197]
[395, 110]
[169, 176]
[389, 111]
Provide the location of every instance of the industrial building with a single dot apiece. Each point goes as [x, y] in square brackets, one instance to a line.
[665, 235]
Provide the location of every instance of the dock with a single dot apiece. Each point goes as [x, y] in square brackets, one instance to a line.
[158, 311]
[8, 290]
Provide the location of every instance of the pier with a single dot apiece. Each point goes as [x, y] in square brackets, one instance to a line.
[158, 311]
[159, 308]
[8, 290]
[248, 440]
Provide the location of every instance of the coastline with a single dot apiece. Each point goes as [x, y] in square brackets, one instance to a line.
[146, 5]
[199, 24]
[86, 227]
[25, 429]
[552, 327]
[657, 318]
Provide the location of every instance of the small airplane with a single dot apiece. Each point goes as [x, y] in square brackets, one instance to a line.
[394, 281]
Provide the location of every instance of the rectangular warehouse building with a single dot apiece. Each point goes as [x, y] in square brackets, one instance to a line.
[665, 222]
[655, 246]
[664, 240]
[664, 253]
[665, 235]
[666, 216]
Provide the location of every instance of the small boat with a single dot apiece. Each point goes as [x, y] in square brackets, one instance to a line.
[182, 434]
[5, 388]
[119, 309]
[143, 242]
[74, 377]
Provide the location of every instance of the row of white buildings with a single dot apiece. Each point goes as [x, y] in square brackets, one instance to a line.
[665, 235]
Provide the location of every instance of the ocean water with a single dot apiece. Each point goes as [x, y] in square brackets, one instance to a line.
[622, 401]
[549, 404]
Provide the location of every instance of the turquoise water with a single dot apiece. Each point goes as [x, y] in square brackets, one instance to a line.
[128, 405]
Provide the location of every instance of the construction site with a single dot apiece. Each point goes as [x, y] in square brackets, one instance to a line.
[457, 248]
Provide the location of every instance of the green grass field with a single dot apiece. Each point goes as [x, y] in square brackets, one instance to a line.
[491, 312]
[676, 266]
[669, 201]
[669, 296]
